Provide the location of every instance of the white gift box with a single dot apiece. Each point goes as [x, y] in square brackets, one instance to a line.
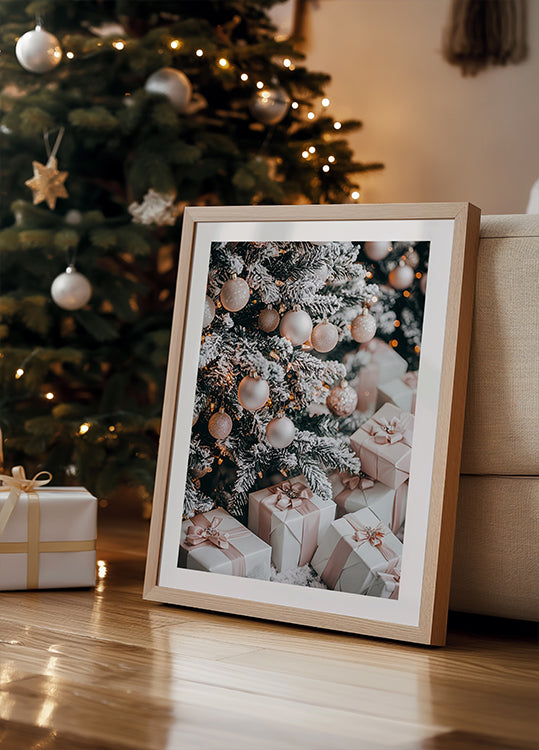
[59, 551]
[386, 581]
[291, 519]
[390, 364]
[353, 548]
[216, 542]
[352, 493]
[401, 392]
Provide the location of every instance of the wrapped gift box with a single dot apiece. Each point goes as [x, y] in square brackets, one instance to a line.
[352, 493]
[49, 539]
[400, 391]
[366, 385]
[390, 364]
[352, 549]
[290, 518]
[216, 542]
[386, 581]
[384, 445]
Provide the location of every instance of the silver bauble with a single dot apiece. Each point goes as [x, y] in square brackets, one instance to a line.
[73, 217]
[363, 327]
[268, 320]
[38, 51]
[296, 326]
[280, 432]
[377, 250]
[402, 276]
[423, 283]
[235, 294]
[209, 312]
[342, 400]
[220, 425]
[71, 290]
[324, 336]
[173, 84]
[253, 392]
[269, 105]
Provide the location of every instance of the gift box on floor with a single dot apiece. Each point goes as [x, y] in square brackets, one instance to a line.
[352, 549]
[386, 581]
[47, 534]
[401, 392]
[292, 519]
[390, 364]
[384, 445]
[216, 542]
[352, 493]
[366, 385]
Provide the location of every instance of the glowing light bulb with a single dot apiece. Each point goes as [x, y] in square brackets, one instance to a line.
[223, 62]
[354, 195]
[331, 159]
[19, 373]
[244, 77]
[305, 154]
[119, 45]
[175, 44]
[199, 52]
[70, 55]
[49, 396]
[294, 105]
[325, 168]
[259, 85]
[311, 115]
[287, 62]
[84, 427]
[325, 102]
[337, 125]
[312, 150]
[112, 428]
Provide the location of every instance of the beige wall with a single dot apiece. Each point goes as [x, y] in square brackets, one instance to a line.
[442, 137]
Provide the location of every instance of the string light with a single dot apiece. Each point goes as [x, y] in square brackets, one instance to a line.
[175, 44]
[337, 125]
[396, 323]
[259, 85]
[312, 150]
[112, 428]
[244, 77]
[406, 293]
[418, 275]
[119, 45]
[19, 373]
[101, 569]
[331, 159]
[199, 52]
[287, 62]
[223, 62]
[49, 396]
[294, 105]
[325, 102]
[305, 154]
[394, 343]
[70, 55]
[84, 427]
[325, 168]
[355, 195]
[311, 116]
[417, 349]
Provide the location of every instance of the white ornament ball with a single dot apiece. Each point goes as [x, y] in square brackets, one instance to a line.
[71, 290]
[173, 84]
[235, 294]
[363, 327]
[342, 400]
[269, 105]
[377, 250]
[423, 283]
[268, 320]
[220, 425]
[38, 51]
[73, 217]
[280, 432]
[253, 392]
[209, 312]
[296, 326]
[401, 277]
[324, 336]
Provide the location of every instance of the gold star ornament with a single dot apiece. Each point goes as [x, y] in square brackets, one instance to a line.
[47, 184]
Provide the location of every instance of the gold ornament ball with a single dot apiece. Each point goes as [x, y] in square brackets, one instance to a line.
[253, 392]
[377, 250]
[173, 84]
[324, 336]
[268, 320]
[38, 51]
[280, 432]
[269, 105]
[401, 277]
[296, 326]
[363, 327]
[342, 400]
[220, 425]
[209, 312]
[235, 294]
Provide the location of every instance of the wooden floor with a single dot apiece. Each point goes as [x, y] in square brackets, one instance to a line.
[103, 670]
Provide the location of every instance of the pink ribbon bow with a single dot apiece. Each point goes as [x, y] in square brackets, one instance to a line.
[198, 535]
[374, 536]
[392, 576]
[388, 431]
[410, 379]
[290, 495]
[350, 483]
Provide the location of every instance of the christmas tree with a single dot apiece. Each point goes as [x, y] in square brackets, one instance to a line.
[116, 115]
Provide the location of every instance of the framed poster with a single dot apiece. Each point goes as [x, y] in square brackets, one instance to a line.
[310, 447]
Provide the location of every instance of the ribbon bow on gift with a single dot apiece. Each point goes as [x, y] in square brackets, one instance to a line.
[290, 495]
[388, 431]
[198, 535]
[410, 379]
[362, 481]
[17, 484]
[374, 536]
[392, 576]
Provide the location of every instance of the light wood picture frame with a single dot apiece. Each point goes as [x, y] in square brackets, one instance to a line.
[416, 611]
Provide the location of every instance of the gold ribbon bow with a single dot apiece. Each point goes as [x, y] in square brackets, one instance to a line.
[16, 485]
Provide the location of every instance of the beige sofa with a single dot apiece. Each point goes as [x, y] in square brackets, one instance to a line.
[497, 542]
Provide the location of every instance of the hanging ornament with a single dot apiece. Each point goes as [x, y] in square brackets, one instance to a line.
[269, 105]
[377, 250]
[324, 336]
[47, 184]
[296, 326]
[71, 290]
[363, 327]
[342, 399]
[423, 283]
[220, 425]
[155, 208]
[209, 312]
[268, 320]
[38, 51]
[235, 294]
[280, 432]
[173, 84]
[412, 257]
[253, 392]
[402, 276]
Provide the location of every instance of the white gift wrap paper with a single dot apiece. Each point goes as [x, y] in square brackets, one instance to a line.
[67, 514]
[363, 560]
[379, 498]
[390, 364]
[399, 393]
[257, 554]
[386, 581]
[287, 526]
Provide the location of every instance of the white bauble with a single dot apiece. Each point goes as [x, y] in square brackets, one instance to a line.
[38, 51]
[235, 294]
[402, 276]
[253, 392]
[71, 290]
[412, 257]
[220, 425]
[268, 320]
[269, 105]
[324, 336]
[296, 326]
[280, 432]
[363, 327]
[423, 283]
[342, 400]
[209, 312]
[377, 250]
[73, 217]
[173, 84]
